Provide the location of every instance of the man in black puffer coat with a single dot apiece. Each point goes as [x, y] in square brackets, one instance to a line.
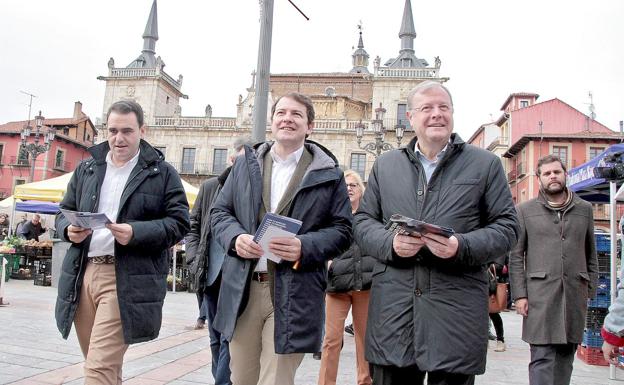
[114, 279]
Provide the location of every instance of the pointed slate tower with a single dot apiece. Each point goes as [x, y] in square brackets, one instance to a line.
[360, 57]
[407, 34]
[147, 58]
[145, 81]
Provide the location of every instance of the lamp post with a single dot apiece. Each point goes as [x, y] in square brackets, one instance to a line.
[35, 149]
[379, 145]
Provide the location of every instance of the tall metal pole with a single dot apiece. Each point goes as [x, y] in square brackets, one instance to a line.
[32, 167]
[258, 133]
[613, 259]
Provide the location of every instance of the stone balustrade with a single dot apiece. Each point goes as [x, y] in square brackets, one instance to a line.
[194, 122]
[411, 73]
[143, 72]
[229, 123]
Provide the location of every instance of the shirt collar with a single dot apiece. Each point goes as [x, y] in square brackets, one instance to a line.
[439, 154]
[131, 163]
[293, 157]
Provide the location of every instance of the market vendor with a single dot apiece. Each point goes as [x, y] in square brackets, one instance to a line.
[4, 226]
[33, 228]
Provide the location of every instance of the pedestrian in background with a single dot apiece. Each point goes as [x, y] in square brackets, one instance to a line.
[348, 287]
[495, 317]
[4, 226]
[554, 271]
[206, 256]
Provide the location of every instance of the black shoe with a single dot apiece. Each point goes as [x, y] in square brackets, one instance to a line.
[316, 356]
[349, 329]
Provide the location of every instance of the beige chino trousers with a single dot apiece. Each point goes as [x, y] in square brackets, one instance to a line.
[98, 326]
[253, 360]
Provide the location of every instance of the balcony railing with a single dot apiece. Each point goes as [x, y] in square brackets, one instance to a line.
[193, 121]
[522, 169]
[320, 124]
[344, 124]
[198, 168]
[62, 166]
[411, 73]
[143, 72]
[19, 161]
[511, 176]
[498, 141]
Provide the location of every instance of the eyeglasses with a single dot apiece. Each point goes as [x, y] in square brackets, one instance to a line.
[352, 185]
[427, 108]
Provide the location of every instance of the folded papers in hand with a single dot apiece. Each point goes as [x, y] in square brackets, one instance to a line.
[407, 226]
[275, 226]
[86, 220]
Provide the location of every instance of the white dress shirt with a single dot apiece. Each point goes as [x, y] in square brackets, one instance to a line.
[281, 174]
[102, 240]
[429, 165]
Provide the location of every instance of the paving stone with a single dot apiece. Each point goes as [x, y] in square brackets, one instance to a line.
[33, 350]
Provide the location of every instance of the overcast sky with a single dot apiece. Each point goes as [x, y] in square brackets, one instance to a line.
[489, 48]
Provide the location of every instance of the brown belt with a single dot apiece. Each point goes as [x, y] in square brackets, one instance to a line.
[260, 276]
[102, 259]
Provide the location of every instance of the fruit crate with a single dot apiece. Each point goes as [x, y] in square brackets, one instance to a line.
[603, 243]
[595, 318]
[43, 280]
[602, 300]
[592, 338]
[591, 356]
[604, 262]
[43, 265]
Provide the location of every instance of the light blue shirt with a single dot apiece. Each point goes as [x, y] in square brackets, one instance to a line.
[429, 165]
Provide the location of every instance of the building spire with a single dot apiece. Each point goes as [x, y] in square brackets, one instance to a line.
[360, 56]
[147, 59]
[407, 34]
[151, 30]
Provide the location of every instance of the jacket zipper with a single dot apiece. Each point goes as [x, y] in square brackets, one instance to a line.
[82, 259]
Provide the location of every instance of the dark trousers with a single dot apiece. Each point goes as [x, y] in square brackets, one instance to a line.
[498, 326]
[411, 375]
[203, 305]
[551, 364]
[218, 344]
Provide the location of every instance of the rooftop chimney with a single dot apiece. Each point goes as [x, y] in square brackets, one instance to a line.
[78, 114]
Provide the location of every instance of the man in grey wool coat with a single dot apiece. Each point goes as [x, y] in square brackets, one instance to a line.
[553, 271]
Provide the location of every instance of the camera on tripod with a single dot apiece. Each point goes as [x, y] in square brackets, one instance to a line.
[613, 169]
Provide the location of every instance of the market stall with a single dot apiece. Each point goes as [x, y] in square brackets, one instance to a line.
[29, 259]
[53, 190]
[45, 195]
[582, 180]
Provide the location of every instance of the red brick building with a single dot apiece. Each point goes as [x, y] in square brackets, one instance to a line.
[74, 136]
[528, 130]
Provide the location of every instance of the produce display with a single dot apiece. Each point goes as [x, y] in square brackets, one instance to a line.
[33, 243]
[10, 244]
[27, 258]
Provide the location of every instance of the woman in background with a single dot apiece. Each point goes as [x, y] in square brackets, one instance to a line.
[348, 286]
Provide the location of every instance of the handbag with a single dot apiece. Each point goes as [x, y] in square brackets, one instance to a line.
[498, 293]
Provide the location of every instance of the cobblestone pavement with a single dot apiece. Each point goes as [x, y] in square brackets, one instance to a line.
[33, 352]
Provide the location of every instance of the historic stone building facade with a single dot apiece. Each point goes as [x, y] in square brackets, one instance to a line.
[199, 146]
